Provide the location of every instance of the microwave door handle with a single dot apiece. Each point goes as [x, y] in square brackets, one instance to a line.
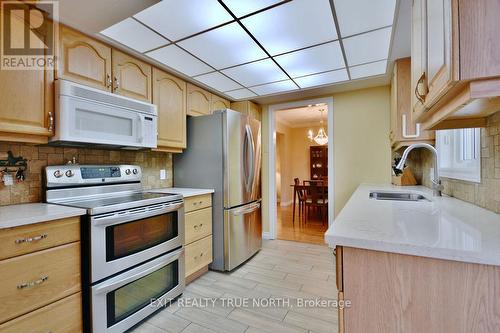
[140, 136]
[114, 284]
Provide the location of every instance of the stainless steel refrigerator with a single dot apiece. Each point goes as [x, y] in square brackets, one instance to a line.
[224, 153]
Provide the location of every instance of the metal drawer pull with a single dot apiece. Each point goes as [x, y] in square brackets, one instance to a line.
[31, 239]
[196, 226]
[33, 283]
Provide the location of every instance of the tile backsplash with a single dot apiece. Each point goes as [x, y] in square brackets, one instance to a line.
[485, 194]
[40, 156]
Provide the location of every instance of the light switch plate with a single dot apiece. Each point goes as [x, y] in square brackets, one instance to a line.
[163, 174]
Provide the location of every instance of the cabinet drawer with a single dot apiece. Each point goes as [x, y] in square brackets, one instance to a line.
[64, 316]
[198, 224]
[37, 279]
[197, 202]
[39, 236]
[198, 255]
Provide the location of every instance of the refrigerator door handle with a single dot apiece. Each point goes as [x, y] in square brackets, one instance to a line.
[246, 210]
[249, 146]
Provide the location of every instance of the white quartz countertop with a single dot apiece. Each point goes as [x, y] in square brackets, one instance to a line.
[186, 192]
[443, 228]
[23, 214]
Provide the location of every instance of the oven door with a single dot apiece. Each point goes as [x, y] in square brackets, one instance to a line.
[126, 238]
[124, 300]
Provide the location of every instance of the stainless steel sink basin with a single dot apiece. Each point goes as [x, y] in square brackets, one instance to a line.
[397, 196]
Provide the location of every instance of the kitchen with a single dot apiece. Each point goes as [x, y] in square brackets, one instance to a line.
[138, 166]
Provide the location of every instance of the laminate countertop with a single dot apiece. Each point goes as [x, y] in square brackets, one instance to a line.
[186, 192]
[442, 228]
[31, 213]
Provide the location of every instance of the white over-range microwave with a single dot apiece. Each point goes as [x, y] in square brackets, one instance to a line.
[89, 116]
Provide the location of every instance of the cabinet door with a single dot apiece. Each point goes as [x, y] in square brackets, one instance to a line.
[26, 107]
[254, 110]
[219, 103]
[439, 67]
[169, 95]
[418, 55]
[84, 60]
[198, 101]
[131, 77]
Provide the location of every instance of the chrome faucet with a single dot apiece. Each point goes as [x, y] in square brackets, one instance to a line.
[436, 181]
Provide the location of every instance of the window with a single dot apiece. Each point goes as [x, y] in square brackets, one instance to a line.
[459, 153]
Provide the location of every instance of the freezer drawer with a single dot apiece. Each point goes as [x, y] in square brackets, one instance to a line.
[243, 234]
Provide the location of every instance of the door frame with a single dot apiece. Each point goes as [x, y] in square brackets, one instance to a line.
[271, 159]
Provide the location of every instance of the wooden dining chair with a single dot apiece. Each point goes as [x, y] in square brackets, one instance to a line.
[300, 193]
[316, 198]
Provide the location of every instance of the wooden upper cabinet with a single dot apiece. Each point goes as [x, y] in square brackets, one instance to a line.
[219, 103]
[169, 95]
[131, 77]
[26, 107]
[199, 101]
[84, 60]
[249, 108]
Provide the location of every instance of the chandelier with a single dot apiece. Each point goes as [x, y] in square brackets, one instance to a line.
[321, 138]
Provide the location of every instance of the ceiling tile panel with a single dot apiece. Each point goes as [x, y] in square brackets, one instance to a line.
[368, 47]
[375, 68]
[240, 94]
[254, 73]
[176, 58]
[357, 16]
[293, 25]
[131, 33]
[275, 87]
[176, 19]
[244, 7]
[323, 78]
[218, 81]
[223, 47]
[312, 60]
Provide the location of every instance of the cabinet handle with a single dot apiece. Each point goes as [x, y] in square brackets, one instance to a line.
[31, 239]
[109, 82]
[33, 283]
[51, 121]
[420, 97]
[196, 226]
[117, 83]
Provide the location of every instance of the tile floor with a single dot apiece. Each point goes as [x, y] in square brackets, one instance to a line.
[282, 271]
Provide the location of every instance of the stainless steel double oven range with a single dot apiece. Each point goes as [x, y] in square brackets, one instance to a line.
[132, 242]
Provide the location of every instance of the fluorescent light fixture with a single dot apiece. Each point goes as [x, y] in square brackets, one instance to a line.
[240, 94]
[275, 87]
[323, 78]
[176, 19]
[357, 16]
[131, 33]
[312, 60]
[374, 68]
[176, 58]
[244, 7]
[254, 73]
[368, 47]
[224, 47]
[218, 81]
[293, 25]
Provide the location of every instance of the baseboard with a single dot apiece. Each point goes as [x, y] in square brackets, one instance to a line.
[266, 235]
[286, 203]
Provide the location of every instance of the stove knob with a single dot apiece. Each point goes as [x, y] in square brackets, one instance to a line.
[127, 172]
[70, 173]
[58, 174]
[135, 171]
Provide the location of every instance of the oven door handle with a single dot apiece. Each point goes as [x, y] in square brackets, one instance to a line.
[133, 214]
[114, 283]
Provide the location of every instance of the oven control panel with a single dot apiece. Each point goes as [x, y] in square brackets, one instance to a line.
[75, 174]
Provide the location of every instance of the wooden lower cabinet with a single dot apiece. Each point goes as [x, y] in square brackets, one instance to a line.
[197, 235]
[392, 292]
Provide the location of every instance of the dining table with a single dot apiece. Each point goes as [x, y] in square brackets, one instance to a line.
[321, 183]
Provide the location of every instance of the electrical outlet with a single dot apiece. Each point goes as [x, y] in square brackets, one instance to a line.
[163, 174]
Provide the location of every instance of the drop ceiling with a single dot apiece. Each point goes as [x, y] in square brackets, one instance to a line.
[246, 49]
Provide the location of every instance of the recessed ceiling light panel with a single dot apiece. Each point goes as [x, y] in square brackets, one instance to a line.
[323, 78]
[368, 47]
[375, 68]
[276, 87]
[176, 19]
[357, 16]
[176, 58]
[131, 33]
[254, 73]
[218, 81]
[244, 7]
[224, 47]
[312, 60]
[293, 25]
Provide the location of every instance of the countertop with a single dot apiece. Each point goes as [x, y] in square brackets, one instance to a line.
[443, 228]
[186, 192]
[23, 214]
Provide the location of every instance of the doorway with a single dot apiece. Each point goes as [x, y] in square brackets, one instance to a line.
[293, 128]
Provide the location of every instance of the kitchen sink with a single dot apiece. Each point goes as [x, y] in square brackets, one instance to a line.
[397, 196]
